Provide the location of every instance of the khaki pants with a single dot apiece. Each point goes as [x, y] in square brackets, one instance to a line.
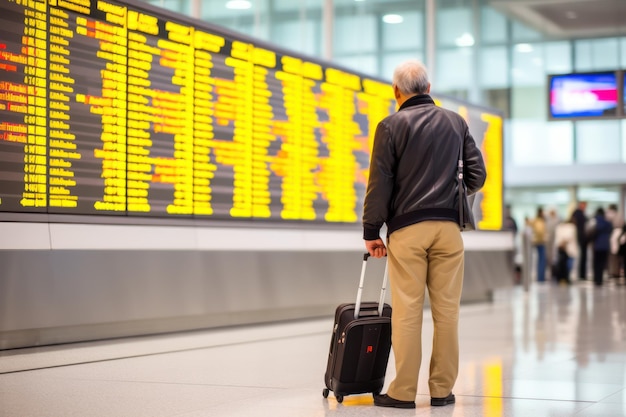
[427, 254]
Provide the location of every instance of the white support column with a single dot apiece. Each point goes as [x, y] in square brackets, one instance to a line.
[431, 40]
[475, 90]
[303, 28]
[257, 21]
[328, 21]
[196, 8]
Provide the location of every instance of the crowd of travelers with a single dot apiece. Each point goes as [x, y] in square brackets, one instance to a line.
[577, 247]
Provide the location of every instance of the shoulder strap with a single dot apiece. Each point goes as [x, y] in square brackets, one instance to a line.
[459, 176]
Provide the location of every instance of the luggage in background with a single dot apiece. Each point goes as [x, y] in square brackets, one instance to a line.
[360, 345]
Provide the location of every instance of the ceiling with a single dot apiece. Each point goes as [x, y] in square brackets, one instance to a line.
[568, 19]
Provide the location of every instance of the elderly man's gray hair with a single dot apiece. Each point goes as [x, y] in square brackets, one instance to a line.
[411, 77]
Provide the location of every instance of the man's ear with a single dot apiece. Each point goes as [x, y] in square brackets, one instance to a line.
[428, 89]
[396, 92]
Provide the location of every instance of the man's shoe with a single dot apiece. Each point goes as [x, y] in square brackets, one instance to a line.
[442, 401]
[386, 401]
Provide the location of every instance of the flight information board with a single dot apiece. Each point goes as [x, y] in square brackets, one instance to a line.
[486, 128]
[121, 109]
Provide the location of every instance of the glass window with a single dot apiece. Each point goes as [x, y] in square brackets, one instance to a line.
[528, 65]
[495, 67]
[295, 5]
[214, 10]
[598, 141]
[529, 103]
[624, 139]
[598, 197]
[623, 52]
[557, 57]
[408, 34]
[536, 143]
[353, 3]
[597, 54]
[243, 27]
[454, 27]
[252, 22]
[524, 202]
[354, 34]
[366, 64]
[493, 26]
[522, 33]
[606, 53]
[178, 6]
[583, 54]
[454, 69]
[300, 36]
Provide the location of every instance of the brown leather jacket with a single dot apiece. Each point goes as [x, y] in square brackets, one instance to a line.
[413, 169]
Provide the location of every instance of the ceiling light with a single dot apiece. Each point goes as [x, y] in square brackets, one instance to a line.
[524, 48]
[464, 40]
[238, 4]
[393, 18]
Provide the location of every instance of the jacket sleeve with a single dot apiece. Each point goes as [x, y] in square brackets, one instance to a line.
[380, 183]
[474, 172]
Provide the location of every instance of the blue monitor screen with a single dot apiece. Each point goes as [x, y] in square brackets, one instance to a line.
[583, 95]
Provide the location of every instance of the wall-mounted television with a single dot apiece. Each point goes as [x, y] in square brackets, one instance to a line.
[584, 95]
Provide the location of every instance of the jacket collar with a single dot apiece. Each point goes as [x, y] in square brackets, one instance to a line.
[416, 100]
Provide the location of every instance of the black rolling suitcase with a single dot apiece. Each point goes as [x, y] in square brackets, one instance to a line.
[360, 345]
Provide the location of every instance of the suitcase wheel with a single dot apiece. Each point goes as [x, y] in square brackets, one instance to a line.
[325, 392]
[339, 398]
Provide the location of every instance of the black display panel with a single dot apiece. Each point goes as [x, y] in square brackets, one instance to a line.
[593, 95]
[122, 109]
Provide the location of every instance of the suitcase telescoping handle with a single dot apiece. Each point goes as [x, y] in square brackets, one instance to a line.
[359, 293]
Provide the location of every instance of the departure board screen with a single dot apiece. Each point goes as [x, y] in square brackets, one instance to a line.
[110, 108]
[486, 129]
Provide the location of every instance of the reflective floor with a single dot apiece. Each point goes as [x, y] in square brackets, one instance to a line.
[554, 351]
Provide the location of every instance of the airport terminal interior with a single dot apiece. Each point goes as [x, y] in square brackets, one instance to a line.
[182, 184]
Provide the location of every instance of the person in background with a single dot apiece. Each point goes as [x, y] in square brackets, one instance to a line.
[510, 224]
[581, 224]
[566, 242]
[600, 235]
[539, 242]
[622, 249]
[552, 220]
[413, 187]
[613, 217]
[525, 255]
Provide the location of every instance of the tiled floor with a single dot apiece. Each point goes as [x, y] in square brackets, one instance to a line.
[554, 351]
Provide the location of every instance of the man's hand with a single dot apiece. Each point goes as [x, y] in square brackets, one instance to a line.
[376, 248]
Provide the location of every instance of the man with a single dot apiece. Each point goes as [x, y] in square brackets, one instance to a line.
[539, 238]
[580, 218]
[612, 215]
[413, 188]
[600, 244]
[552, 220]
[510, 224]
